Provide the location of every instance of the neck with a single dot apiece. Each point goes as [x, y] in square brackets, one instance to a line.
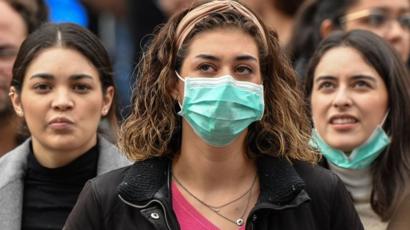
[55, 157]
[202, 165]
[9, 126]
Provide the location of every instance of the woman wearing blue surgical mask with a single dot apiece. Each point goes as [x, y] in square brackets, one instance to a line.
[358, 91]
[220, 137]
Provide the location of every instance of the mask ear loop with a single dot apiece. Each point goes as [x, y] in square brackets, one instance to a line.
[179, 76]
[183, 80]
[384, 118]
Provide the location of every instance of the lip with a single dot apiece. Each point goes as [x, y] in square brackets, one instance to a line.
[60, 123]
[343, 122]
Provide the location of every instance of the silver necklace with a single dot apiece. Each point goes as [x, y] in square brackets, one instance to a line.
[217, 209]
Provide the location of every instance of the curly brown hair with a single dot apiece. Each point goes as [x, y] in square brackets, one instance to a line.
[154, 128]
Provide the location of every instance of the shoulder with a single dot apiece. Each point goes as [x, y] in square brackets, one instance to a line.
[316, 177]
[105, 185]
[13, 163]
[110, 157]
[330, 202]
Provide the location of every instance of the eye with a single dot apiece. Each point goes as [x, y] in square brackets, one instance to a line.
[7, 52]
[81, 88]
[42, 88]
[326, 85]
[244, 70]
[404, 21]
[361, 84]
[206, 68]
[376, 19]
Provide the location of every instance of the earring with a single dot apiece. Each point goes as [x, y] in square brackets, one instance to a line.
[19, 113]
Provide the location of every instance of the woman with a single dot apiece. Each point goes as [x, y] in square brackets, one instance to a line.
[359, 93]
[390, 19]
[215, 148]
[62, 86]
[18, 18]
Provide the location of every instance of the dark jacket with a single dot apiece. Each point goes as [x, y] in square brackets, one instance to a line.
[298, 196]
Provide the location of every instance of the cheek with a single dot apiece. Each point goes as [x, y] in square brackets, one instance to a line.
[91, 111]
[181, 90]
[317, 105]
[34, 114]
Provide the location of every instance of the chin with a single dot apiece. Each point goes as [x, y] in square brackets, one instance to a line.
[346, 147]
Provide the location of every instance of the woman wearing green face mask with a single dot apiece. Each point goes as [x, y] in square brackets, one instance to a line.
[358, 91]
[220, 137]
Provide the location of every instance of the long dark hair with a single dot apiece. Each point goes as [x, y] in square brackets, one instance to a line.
[306, 34]
[391, 169]
[71, 36]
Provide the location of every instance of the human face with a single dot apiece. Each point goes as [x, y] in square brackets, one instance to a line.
[62, 101]
[12, 33]
[217, 52]
[221, 52]
[391, 31]
[349, 98]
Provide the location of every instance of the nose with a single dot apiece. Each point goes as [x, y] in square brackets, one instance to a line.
[394, 33]
[62, 101]
[342, 99]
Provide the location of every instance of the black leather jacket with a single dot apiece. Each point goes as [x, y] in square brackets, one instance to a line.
[292, 196]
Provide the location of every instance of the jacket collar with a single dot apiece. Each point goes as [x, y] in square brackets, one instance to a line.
[150, 179]
[13, 166]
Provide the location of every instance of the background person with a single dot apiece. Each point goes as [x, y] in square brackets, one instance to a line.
[358, 92]
[62, 86]
[390, 19]
[216, 124]
[18, 18]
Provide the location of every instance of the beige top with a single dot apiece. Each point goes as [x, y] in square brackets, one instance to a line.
[359, 183]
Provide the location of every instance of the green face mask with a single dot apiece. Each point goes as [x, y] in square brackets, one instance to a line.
[219, 109]
[361, 157]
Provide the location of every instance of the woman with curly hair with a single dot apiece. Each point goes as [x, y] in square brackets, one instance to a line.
[220, 137]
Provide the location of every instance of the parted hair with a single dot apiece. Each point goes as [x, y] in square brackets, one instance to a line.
[154, 128]
[71, 36]
[392, 168]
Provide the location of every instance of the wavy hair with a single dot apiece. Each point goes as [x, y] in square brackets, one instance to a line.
[154, 128]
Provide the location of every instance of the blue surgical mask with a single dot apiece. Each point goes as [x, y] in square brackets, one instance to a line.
[219, 109]
[361, 157]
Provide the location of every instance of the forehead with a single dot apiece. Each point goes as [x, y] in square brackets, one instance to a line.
[61, 62]
[341, 61]
[394, 5]
[12, 27]
[223, 41]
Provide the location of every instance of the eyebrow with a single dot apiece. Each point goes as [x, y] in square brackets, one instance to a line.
[323, 78]
[363, 77]
[244, 57]
[354, 77]
[74, 77]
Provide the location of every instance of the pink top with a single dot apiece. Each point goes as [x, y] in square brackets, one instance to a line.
[187, 216]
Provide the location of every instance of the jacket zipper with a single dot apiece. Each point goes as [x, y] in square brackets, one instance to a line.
[146, 205]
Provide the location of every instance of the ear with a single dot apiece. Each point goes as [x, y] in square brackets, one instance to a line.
[16, 101]
[177, 90]
[108, 98]
[326, 28]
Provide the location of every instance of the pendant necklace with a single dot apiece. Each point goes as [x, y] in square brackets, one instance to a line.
[216, 209]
